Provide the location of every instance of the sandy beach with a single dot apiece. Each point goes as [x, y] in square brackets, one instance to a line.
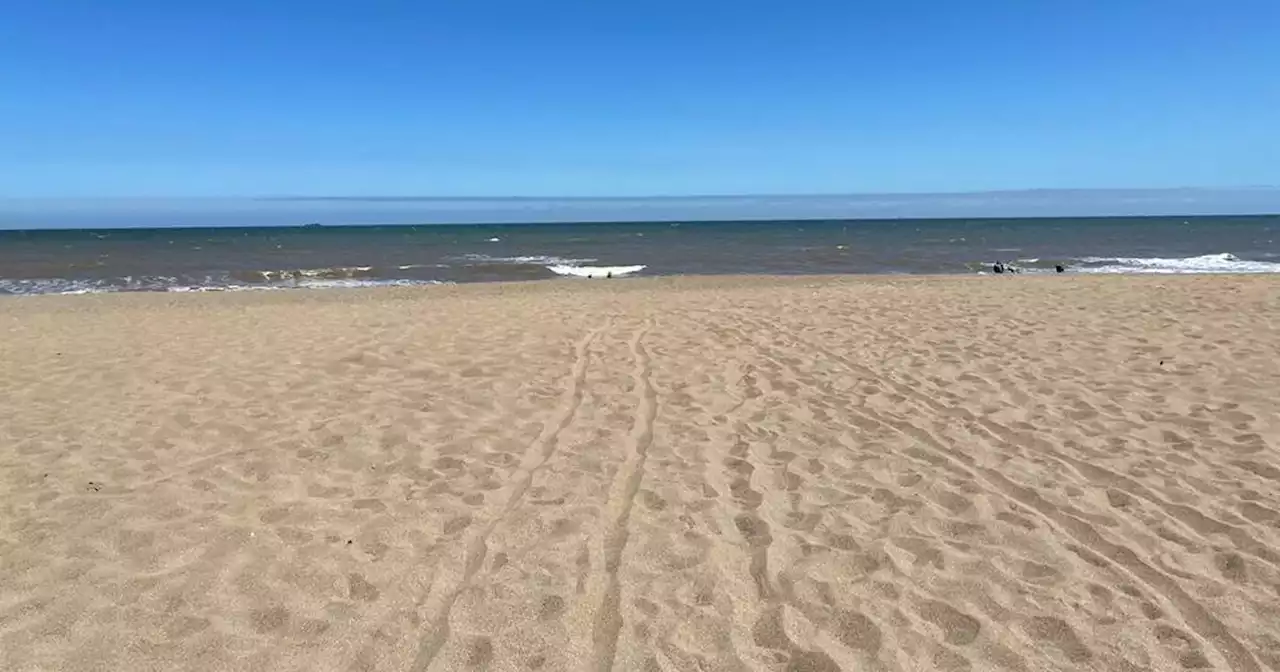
[1031, 473]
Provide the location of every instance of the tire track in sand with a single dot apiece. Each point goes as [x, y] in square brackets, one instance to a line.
[622, 495]
[773, 597]
[535, 456]
[1195, 614]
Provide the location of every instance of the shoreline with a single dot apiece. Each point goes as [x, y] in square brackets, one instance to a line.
[273, 258]
[692, 281]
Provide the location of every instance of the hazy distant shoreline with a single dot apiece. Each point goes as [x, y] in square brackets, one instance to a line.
[361, 210]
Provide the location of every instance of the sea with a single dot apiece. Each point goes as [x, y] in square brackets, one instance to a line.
[242, 258]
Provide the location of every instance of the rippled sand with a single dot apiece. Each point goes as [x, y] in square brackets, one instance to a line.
[693, 474]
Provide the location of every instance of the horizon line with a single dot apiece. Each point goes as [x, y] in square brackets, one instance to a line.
[657, 197]
[652, 222]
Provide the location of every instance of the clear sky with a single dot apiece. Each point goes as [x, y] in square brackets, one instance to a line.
[170, 98]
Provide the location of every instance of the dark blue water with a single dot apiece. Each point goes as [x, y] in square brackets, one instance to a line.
[274, 257]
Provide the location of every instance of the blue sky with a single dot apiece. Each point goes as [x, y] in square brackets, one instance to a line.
[134, 98]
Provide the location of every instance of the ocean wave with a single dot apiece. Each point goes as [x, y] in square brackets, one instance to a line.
[307, 283]
[33, 286]
[594, 271]
[1208, 263]
[353, 283]
[533, 260]
[13, 287]
[302, 274]
[68, 286]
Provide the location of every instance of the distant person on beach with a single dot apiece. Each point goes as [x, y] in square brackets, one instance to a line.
[1059, 268]
[998, 267]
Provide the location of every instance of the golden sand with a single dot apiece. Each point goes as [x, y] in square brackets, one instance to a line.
[1022, 473]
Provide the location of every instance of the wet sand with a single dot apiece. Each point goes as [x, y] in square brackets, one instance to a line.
[1024, 473]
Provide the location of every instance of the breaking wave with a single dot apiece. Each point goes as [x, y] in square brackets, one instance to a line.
[1208, 263]
[594, 271]
[533, 260]
[319, 278]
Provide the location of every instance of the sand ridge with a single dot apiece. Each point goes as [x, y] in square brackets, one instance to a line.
[667, 474]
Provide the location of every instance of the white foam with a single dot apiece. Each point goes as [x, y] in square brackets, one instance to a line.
[290, 274]
[310, 283]
[535, 260]
[62, 286]
[594, 271]
[182, 289]
[33, 287]
[495, 240]
[352, 283]
[1208, 263]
